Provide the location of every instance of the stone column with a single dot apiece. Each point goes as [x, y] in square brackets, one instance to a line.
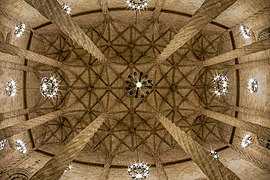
[15, 66]
[14, 113]
[248, 126]
[239, 52]
[212, 168]
[104, 6]
[162, 175]
[257, 117]
[106, 169]
[56, 166]
[53, 11]
[9, 131]
[157, 10]
[249, 65]
[253, 154]
[16, 51]
[209, 10]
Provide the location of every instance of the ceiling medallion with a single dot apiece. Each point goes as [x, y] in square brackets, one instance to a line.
[2, 144]
[49, 86]
[138, 85]
[11, 88]
[66, 8]
[245, 31]
[221, 85]
[20, 146]
[246, 141]
[138, 171]
[253, 86]
[214, 154]
[137, 5]
[19, 29]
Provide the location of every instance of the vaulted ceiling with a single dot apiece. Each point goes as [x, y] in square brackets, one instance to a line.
[131, 42]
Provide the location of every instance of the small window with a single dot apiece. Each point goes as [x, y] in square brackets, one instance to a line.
[265, 34]
[263, 142]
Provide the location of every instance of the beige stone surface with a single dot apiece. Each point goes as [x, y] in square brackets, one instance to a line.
[129, 45]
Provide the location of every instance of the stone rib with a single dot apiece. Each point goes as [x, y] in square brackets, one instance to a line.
[53, 11]
[157, 10]
[213, 169]
[258, 160]
[162, 175]
[239, 52]
[15, 66]
[106, 169]
[248, 126]
[104, 6]
[209, 10]
[56, 166]
[16, 51]
[25, 125]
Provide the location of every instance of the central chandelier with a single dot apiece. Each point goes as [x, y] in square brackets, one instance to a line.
[138, 171]
[137, 5]
[221, 85]
[20, 146]
[253, 86]
[49, 86]
[246, 141]
[11, 88]
[19, 29]
[2, 144]
[138, 85]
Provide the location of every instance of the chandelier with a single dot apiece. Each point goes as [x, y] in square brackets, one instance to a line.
[214, 154]
[11, 88]
[138, 85]
[2, 144]
[20, 146]
[221, 85]
[252, 86]
[68, 168]
[245, 31]
[19, 29]
[246, 141]
[49, 86]
[138, 170]
[137, 5]
[66, 8]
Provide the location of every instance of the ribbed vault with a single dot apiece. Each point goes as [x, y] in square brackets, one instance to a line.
[94, 120]
[95, 87]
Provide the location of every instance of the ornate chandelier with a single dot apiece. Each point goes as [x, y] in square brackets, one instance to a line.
[19, 29]
[2, 144]
[245, 31]
[49, 86]
[20, 146]
[137, 5]
[138, 86]
[66, 8]
[138, 171]
[11, 88]
[246, 141]
[253, 86]
[214, 154]
[221, 85]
